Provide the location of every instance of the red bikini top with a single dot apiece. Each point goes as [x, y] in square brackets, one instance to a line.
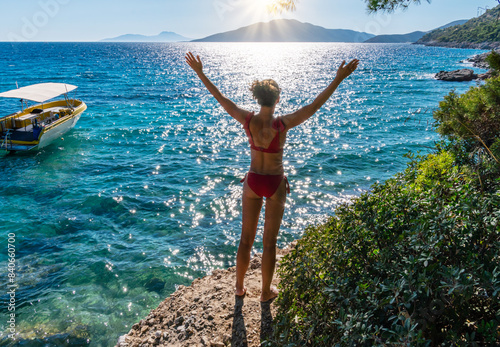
[274, 147]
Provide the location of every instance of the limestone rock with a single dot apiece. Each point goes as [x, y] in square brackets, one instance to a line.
[207, 313]
[456, 75]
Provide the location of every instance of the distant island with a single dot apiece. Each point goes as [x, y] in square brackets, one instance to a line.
[482, 32]
[410, 37]
[166, 36]
[287, 30]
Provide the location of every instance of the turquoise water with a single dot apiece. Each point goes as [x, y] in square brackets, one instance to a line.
[144, 194]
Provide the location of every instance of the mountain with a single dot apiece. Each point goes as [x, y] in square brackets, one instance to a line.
[452, 24]
[481, 32]
[411, 37]
[287, 30]
[166, 36]
[403, 38]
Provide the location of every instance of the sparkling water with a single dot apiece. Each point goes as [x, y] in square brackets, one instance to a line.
[143, 195]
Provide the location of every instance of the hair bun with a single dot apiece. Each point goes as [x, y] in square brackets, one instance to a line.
[266, 92]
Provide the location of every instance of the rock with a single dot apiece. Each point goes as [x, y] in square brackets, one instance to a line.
[203, 315]
[155, 285]
[254, 263]
[457, 75]
[122, 341]
[479, 60]
[486, 75]
[204, 341]
[199, 326]
[230, 315]
[179, 320]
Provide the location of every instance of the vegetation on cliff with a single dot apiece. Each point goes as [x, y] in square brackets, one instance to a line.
[485, 28]
[415, 261]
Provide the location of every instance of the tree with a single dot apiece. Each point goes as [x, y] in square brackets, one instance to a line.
[390, 5]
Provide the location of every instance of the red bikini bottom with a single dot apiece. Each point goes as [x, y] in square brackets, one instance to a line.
[265, 185]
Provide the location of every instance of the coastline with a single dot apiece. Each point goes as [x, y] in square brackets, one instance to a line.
[462, 45]
[207, 313]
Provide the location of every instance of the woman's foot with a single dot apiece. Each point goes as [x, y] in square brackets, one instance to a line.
[269, 295]
[240, 292]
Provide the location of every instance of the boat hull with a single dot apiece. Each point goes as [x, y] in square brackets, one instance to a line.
[58, 130]
[50, 131]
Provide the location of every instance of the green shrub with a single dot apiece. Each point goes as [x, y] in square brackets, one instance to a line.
[431, 170]
[494, 61]
[410, 263]
[471, 123]
[473, 116]
[415, 261]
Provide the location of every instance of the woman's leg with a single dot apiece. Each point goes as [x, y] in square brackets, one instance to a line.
[275, 207]
[252, 205]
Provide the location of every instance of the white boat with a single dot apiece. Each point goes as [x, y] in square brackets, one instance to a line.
[36, 126]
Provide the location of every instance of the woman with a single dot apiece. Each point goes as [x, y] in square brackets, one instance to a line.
[265, 178]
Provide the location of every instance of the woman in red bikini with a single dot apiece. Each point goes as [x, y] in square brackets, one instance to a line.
[265, 178]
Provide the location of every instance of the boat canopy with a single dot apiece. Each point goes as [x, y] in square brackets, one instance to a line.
[40, 92]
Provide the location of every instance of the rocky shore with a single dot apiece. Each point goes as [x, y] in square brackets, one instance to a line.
[467, 45]
[461, 75]
[480, 60]
[207, 313]
[468, 74]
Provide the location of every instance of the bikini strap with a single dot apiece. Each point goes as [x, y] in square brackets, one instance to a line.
[244, 178]
[247, 119]
[287, 185]
[279, 125]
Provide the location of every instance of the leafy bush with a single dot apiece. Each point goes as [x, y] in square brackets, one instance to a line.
[415, 261]
[411, 262]
[471, 123]
[493, 60]
[473, 116]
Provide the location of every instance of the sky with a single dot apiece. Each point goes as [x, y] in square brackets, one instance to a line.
[93, 20]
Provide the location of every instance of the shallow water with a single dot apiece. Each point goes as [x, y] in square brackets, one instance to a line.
[144, 194]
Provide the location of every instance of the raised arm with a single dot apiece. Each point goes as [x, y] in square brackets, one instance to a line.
[230, 107]
[300, 116]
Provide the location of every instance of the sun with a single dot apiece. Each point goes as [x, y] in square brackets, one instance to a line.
[261, 10]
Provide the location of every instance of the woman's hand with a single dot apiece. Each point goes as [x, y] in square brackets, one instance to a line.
[345, 71]
[195, 63]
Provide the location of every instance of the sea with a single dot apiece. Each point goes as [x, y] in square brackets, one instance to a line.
[144, 194]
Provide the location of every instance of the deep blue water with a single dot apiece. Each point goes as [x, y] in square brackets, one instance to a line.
[144, 194]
